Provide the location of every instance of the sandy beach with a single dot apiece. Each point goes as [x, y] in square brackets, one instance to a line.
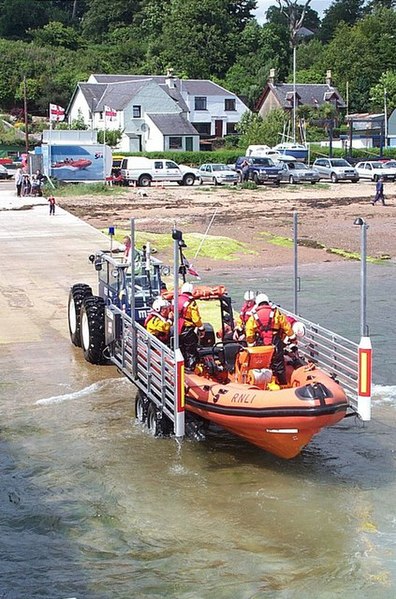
[326, 213]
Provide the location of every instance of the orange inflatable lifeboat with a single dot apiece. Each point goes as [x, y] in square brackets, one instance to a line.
[233, 386]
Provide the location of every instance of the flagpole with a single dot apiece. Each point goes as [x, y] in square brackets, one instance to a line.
[104, 147]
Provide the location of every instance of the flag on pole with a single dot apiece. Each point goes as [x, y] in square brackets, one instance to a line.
[110, 112]
[56, 113]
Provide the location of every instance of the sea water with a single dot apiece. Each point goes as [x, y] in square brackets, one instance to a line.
[93, 507]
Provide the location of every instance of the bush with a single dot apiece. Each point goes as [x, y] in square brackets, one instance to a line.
[191, 158]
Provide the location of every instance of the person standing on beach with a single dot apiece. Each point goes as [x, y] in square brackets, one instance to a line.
[18, 181]
[52, 203]
[379, 192]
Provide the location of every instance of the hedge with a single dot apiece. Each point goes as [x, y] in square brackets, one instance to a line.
[230, 156]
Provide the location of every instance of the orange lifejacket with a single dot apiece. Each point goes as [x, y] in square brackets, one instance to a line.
[264, 318]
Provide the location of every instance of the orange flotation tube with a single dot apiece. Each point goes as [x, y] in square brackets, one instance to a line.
[201, 292]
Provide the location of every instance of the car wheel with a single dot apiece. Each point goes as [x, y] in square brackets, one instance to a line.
[375, 178]
[334, 178]
[200, 181]
[291, 180]
[256, 179]
[189, 180]
[313, 182]
[355, 180]
[144, 181]
[215, 181]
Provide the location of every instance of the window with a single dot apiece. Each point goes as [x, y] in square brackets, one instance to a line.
[229, 104]
[231, 128]
[189, 144]
[136, 112]
[200, 103]
[158, 165]
[170, 164]
[202, 128]
[101, 116]
[175, 143]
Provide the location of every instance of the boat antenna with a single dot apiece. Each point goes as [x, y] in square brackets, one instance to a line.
[178, 236]
[206, 233]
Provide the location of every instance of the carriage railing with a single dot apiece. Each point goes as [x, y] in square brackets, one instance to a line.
[144, 360]
[335, 354]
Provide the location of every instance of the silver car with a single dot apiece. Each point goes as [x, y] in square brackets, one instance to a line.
[335, 169]
[298, 172]
[217, 174]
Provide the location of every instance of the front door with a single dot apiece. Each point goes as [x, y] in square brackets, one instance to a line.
[189, 144]
[219, 128]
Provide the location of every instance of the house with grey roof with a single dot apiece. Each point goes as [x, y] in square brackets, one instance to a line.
[131, 102]
[203, 109]
[280, 95]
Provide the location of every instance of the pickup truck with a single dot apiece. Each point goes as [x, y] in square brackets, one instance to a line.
[260, 170]
[143, 171]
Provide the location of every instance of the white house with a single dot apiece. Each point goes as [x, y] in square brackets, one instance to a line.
[190, 109]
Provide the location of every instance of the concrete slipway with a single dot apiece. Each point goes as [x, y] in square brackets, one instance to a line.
[41, 257]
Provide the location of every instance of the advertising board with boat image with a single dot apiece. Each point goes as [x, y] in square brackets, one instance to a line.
[78, 162]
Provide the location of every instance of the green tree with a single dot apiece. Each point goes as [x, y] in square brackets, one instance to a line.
[103, 17]
[255, 130]
[113, 137]
[57, 34]
[384, 91]
[347, 11]
[201, 37]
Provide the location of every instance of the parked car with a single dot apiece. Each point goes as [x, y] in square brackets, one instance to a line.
[298, 172]
[374, 169]
[143, 171]
[260, 170]
[4, 174]
[216, 174]
[335, 169]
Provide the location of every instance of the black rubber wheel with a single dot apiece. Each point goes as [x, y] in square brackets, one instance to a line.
[256, 179]
[313, 182]
[291, 180]
[157, 424]
[334, 178]
[144, 181]
[189, 180]
[92, 329]
[141, 407]
[77, 294]
[375, 178]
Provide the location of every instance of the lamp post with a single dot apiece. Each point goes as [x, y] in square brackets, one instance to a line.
[364, 349]
[294, 90]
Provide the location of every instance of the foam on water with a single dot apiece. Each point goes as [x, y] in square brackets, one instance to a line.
[99, 386]
[384, 393]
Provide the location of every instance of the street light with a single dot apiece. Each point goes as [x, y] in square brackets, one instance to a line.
[360, 222]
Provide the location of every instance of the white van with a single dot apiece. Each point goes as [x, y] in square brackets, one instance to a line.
[142, 171]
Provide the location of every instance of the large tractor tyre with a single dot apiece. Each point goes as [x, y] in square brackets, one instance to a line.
[158, 424]
[77, 294]
[92, 318]
[141, 407]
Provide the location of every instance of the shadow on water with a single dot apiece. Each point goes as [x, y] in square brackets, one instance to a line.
[348, 453]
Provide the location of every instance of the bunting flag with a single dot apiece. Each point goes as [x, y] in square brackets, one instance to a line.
[56, 113]
[110, 113]
[188, 268]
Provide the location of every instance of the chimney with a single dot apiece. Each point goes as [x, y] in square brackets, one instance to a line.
[328, 78]
[170, 79]
[271, 78]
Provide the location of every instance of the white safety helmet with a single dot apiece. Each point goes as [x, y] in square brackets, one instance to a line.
[187, 288]
[249, 295]
[160, 303]
[298, 328]
[262, 298]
